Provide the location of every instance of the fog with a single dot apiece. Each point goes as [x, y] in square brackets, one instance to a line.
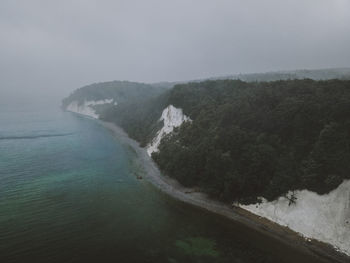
[49, 48]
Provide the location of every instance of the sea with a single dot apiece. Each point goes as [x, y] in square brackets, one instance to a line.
[69, 193]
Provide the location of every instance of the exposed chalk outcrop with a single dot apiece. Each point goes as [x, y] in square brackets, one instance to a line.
[322, 217]
[87, 108]
[172, 117]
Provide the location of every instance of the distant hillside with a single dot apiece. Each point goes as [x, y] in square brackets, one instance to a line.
[94, 99]
[120, 91]
[314, 74]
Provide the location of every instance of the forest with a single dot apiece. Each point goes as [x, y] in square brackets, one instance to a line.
[248, 140]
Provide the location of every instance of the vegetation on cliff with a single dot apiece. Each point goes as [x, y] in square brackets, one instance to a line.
[260, 139]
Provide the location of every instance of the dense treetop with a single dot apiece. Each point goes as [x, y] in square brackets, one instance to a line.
[260, 139]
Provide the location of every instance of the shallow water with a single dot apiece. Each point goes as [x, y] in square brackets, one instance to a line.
[68, 193]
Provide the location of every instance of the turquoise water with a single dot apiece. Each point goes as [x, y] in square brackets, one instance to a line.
[68, 193]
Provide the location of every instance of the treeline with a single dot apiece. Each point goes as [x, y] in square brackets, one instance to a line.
[258, 139]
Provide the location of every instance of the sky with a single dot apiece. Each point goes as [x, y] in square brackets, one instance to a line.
[49, 48]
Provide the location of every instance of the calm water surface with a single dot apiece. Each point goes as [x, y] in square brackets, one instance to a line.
[68, 193]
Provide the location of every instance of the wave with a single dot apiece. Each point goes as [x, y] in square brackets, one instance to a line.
[34, 136]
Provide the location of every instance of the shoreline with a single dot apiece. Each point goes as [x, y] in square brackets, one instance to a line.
[321, 251]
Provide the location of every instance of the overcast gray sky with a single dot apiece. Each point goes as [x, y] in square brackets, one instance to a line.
[48, 48]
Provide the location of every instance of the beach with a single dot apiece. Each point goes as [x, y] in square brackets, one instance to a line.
[324, 252]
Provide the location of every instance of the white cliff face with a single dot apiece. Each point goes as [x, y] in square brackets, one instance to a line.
[172, 117]
[86, 108]
[322, 217]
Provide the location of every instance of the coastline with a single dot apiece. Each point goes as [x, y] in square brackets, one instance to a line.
[322, 251]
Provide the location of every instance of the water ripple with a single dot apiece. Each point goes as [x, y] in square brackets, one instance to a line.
[34, 136]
